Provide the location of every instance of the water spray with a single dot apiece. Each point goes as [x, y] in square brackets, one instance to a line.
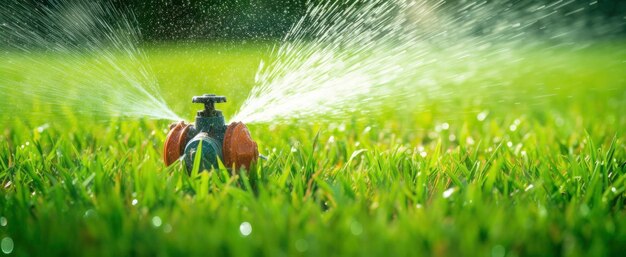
[212, 138]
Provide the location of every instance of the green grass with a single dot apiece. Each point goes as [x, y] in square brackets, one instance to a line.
[395, 183]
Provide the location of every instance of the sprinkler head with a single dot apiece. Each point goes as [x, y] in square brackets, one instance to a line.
[209, 101]
[232, 144]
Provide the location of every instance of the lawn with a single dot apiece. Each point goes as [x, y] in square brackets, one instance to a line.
[533, 165]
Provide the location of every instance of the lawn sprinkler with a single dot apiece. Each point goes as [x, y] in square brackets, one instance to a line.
[210, 137]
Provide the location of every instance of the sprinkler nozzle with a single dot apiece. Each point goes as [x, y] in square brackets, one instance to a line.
[232, 144]
[209, 101]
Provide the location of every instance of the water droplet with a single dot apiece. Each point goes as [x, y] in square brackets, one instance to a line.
[134, 202]
[3, 221]
[529, 187]
[342, 127]
[7, 245]
[89, 213]
[356, 228]
[513, 127]
[482, 115]
[302, 245]
[423, 154]
[156, 221]
[245, 228]
[449, 192]
[43, 127]
[509, 144]
[167, 228]
[445, 126]
[498, 251]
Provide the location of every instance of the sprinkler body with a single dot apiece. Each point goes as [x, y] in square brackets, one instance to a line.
[211, 138]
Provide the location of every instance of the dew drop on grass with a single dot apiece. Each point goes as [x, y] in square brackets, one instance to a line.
[342, 127]
[449, 192]
[3, 221]
[89, 213]
[134, 202]
[529, 187]
[482, 115]
[7, 245]
[156, 221]
[43, 127]
[245, 228]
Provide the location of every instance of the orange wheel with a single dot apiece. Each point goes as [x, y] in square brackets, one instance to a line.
[239, 149]
[175, 142]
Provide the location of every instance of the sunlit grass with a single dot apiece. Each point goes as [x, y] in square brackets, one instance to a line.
[533, 167]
